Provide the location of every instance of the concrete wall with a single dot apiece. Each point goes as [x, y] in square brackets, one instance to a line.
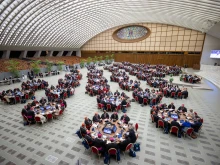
[211, 43]
[8, 74]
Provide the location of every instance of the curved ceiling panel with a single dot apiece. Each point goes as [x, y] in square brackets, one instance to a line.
[71, 23]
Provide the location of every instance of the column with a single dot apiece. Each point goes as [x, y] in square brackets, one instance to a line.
[6, 54]
[23, 54]
[60, 53]
[69, 53]
[37, 54]
[50, 54]
[78, 53]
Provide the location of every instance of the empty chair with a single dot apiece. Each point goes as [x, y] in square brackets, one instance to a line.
[95, 151]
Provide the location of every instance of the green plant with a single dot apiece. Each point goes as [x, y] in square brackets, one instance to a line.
[89, 60]
[59, 65]
[100, 58]
[106, 58]
[171, 78]
[95, 59]
[112, 57]
[82, 63]
[35, 66]
[49, 65]
[13, 67]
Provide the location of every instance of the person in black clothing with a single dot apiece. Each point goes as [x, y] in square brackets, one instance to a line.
[96, 118]
[105, 115]
[83, 130]
[175, 123]
[123, 105]
[98, 99]
[117, 93]
[88, 123]
[171, 106]
[114, 116]
[100, 144]
[24, 112]
[132, 135]
[64, 102]
[182, 108]
[43, 100]
[123, 144]
[125, 118]
[31, 116]
[112, 145]
[89, 139]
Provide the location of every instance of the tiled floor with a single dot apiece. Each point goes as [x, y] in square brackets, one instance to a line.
[56, 143]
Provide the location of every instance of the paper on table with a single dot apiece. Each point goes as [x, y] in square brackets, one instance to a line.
[122, 139]
[104, 136]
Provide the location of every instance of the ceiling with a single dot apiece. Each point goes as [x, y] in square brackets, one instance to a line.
[71, 23]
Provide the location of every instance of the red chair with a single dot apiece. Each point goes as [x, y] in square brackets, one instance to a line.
[91, 93]
[17, 99]
[201, 120]
[64, 95]
[188, 132]
[36, 87]
[112, 151]
[184, 79]
[100, 106]
[165, 93]
[38, 120]
[174, 130]
[128, 104]
[145, 101]
[49, 116]
[109, 107]
[160, 124]
[127, 88]
[42, 86]
[127, 148]
[26, 96]
[95, 151]
[179, 95]
[56, 96]
[173, 94]
[118, 107]
[136, 126]
[154, 102]
[191, 80]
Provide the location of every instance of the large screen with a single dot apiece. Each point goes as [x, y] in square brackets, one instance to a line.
[215, 54]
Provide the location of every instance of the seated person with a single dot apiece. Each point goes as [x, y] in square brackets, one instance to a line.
[89, 139]
[114, 116]
[182, 108]
[132, 135]
[105, 115]
[171, 106]
[123, 105]
[185, 125]
[117, 93]
[191, 114]
[88, 123]
[123, 144]
[125, 118]
[112, 144]
[42, 118]
[24, 112]
[34, 102]
[175, 123]
[96, 118]
[83, 130]
[31, 115]
[99, 143]
[43, 100]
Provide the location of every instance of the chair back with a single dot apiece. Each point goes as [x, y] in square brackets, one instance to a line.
[173, 94]
[17, 98]
[95, 150]
[189, 131]
[99, 106]
[37, 119]
[128, 104]
[136, 126]
[174, 129]
[128, 147]
[61, 112]
[108, 106]
[49, 116]
[26, 96]
[112, 151]
[136, 98]
[145, 100]
[118, 107]
[160, 123]
[165, 92]
[179, 94]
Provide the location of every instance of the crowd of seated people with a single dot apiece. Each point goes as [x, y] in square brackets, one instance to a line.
[118, 76]
[174, 91]
[113, 102]
[156, 82]
[190, 78]
[129, 85]
[97, 84]
[103, 143]
[34, 84]
[167, 116]
[111, 68]
[40, 111]
[16, 96]
[146, 96]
